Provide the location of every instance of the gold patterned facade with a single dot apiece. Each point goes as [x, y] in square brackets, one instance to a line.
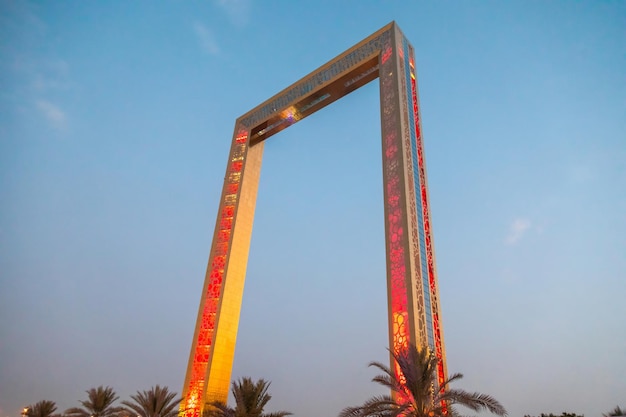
[413, 298]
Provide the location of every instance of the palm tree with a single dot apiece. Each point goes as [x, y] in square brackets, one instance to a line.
[616, 412]
[99, 404]
[44, 408]
[416, 393]
[250, 400]
[157, 402]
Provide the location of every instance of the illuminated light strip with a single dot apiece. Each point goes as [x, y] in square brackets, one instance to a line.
[314, 102]
[288, 116]
[194, 400]
[270, 127]
[422, 284]
[361, 76]
[429, 252]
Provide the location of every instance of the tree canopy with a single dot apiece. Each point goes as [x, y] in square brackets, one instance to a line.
[100, 403]
[156, 402]
[250, 401]
[43, 408]
[416, 392]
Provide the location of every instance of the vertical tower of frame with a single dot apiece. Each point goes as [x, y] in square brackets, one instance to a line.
[413, 301]
[213, 347]
[413, 294]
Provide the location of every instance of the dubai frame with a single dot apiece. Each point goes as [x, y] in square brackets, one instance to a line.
[412, 292]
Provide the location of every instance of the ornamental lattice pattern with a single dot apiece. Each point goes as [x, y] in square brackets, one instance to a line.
[205, 334]
[395, 228]
[414, 311]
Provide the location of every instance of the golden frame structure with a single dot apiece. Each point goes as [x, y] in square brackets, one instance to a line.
[413, 296]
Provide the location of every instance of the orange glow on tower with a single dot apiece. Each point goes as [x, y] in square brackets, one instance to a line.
[414, 314]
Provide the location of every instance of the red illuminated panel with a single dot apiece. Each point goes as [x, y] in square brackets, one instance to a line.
[236, 166]
[395, 213]
[428, 235]
[395, 238]
[232, 188]
[194, 399]
[386, 54]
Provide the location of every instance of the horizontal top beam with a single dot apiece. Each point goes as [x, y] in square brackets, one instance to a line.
[337, 77]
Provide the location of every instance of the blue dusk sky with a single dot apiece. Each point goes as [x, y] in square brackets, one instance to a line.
[115, 124]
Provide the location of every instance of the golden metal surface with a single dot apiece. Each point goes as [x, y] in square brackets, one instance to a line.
[213, 346]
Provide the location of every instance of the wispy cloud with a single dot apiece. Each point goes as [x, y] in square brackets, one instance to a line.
[206, 38]
[20, 21]
[36, 74]
[517, 230]
[238, 10]
[53, 114]
[51, 74]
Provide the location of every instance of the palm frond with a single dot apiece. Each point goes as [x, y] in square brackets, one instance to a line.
[218, 409]
[390, 382]
[474, 401]
[446, 383]
[414, 381]
[99, 403]
[43, 408]
[617, 411]
[278, 414]
[156, 402]
[382, 405]
[76, 412]
[250, 400]
[382, 367]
